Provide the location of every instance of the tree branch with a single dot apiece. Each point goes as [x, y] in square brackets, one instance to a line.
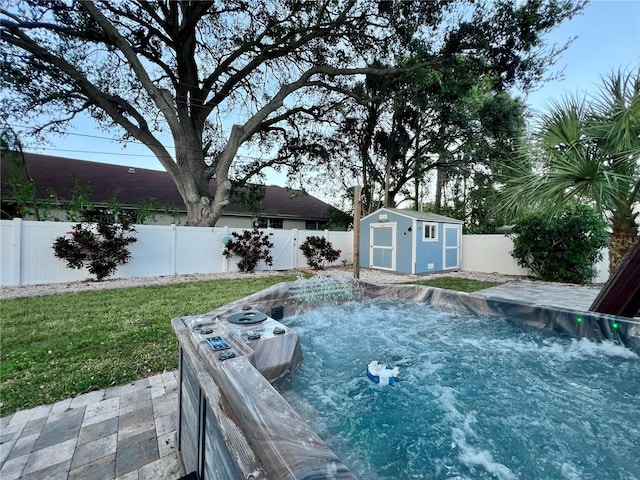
[114, 106]
[285, 45]
[161, 98]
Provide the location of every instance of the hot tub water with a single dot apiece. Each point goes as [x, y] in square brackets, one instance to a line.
[478, 398]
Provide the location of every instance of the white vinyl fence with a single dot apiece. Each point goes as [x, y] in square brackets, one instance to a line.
[26, 253]
[489, 254]
[492, 253]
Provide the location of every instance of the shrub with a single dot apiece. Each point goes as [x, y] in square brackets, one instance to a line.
[98, 243]
[318, 251]
[563, 248]
[251, 246]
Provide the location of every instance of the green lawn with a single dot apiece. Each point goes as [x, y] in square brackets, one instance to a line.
[453, 283]
[59, 346]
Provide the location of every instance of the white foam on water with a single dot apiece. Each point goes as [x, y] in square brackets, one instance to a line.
[605, 348]
[478, 398]
[575, 349]
[571, 472]
[473, 456]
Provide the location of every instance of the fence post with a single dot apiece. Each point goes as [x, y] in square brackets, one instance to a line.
[172, 250]
[294, 248]
[17, 252]
[226, 259]
[357, 210]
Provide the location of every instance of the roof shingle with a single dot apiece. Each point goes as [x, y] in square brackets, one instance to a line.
[133, 186]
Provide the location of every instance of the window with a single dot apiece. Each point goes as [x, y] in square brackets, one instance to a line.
[429, 232]
[275, 222]
[315, 225]
[263, 222]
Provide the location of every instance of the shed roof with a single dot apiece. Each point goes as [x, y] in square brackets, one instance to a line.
[132, 186]
[423, 216]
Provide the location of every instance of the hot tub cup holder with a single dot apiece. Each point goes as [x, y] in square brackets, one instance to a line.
[254, 335]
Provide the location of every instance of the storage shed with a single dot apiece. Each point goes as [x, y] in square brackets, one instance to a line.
[406, 241]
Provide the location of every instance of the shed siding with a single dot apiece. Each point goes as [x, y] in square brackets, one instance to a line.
[428, 254]
[364, 243]
[412, 253]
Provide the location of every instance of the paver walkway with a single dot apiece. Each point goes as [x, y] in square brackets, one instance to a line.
[574, 297]
[125, 432]
[128, 432]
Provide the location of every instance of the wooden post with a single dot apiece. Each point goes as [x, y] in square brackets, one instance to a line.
[356, 231]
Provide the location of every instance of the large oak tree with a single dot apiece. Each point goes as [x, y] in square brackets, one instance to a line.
[217, 75]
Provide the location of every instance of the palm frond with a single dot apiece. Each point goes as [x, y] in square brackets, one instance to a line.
[585, 150]
[616, 119]
[562, 127]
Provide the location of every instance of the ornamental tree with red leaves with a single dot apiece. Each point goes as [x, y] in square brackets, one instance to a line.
[97, 243]
[251, 246]
[318, 251]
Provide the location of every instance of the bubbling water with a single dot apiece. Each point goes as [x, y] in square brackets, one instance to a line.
[324, 289]
[478, 397]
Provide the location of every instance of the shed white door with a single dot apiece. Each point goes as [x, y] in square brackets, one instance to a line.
[451, 246]
[382, 251]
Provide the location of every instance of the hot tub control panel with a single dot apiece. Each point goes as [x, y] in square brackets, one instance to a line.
[271, 347]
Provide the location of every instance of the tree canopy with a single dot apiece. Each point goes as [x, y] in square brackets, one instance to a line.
[402, 132]
[221, 76]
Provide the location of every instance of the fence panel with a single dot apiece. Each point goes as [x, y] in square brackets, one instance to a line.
[602, 268]
[282, 251]
[339, 240]
[199, 250]
[10, 264]
[492, 254]
[489, 254]
[299, 260]
[150, 254]
[38, 264]
[342, 241]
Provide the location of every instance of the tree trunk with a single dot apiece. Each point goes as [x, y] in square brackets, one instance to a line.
[203, 210]
[624, 233]
[365, 145]
[441, 179]
[387, 183]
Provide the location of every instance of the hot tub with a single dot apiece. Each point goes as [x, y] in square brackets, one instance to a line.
[233, 423]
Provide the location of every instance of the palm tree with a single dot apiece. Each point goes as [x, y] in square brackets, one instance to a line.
[587, 151]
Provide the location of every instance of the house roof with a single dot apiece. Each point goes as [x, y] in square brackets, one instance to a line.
[423, 216]
[132, 186]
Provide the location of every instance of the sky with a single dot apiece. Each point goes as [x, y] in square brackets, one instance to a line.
[608, 38]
